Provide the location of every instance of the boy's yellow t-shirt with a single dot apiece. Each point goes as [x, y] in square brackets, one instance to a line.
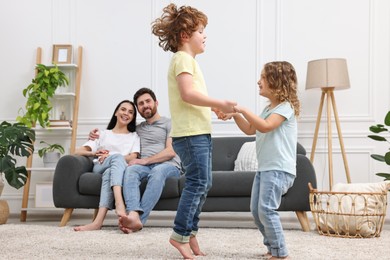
[187, 119]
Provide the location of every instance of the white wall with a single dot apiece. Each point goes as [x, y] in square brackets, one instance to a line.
[121, 55]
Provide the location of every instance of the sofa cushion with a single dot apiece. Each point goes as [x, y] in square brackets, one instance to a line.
[246, 158]
[225, 150]
[231, 184]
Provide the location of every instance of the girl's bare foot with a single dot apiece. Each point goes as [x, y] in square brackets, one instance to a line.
[88, 227]
[184, 249]
[195, 246]
[130, 223]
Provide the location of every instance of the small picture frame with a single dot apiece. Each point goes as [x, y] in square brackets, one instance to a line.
[62, 54]
[44, 195]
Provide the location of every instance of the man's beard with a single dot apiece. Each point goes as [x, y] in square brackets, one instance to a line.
[150, 114]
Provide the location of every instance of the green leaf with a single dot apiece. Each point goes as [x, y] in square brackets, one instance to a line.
[378, 157]
[16, 177]
[377, 129]
[377, 138]
[387, 158]
[387, 119]
[384, 175]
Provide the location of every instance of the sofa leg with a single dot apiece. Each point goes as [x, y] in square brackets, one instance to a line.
[66, 217]
[303, 220]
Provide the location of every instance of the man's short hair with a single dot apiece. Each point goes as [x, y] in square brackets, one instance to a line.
[142, 91]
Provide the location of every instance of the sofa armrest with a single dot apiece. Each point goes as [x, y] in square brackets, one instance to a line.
[66, 177]
[297, 197]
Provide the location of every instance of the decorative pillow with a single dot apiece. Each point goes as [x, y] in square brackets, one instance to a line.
[246, 158]
[356, 213]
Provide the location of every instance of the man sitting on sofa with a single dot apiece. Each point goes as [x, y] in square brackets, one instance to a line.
[158, 162]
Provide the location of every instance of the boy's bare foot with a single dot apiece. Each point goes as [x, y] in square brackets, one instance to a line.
[274, 258]
[88, 227]
[195, 246]
[130, 223]
[184, 249]
[267, 255]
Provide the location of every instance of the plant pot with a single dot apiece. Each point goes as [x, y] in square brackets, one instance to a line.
[4, 212]
[50, 159]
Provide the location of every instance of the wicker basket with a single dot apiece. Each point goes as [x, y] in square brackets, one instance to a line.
[348, 214]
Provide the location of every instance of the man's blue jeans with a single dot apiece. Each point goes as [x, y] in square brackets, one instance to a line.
[156, 174]
[195, 155]
[112, 169]
[267, 190]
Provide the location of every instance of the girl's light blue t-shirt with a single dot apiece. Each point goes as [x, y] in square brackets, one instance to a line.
[277, 149]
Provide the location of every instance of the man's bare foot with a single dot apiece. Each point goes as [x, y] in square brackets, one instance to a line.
[88, 227]
[184, 249]
[195, 246]
[130, 223]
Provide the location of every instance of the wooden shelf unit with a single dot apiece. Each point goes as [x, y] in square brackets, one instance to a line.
[73, 96]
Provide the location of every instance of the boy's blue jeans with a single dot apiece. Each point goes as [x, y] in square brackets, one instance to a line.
[195, 155]
[267, 190]
[112, 168]
[156, 175]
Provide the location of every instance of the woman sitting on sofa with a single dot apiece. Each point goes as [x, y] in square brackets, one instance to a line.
[115, 148]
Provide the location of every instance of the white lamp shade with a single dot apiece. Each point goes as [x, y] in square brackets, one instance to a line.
[327, 73]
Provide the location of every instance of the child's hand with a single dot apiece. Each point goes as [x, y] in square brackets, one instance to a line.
[228, 106]
[238, 109]
[221, 115]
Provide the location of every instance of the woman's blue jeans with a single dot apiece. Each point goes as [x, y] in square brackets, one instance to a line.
[112, 168]
[195, 155]
[267, 190]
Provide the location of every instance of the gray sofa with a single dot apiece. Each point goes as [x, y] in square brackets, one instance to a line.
[75, 186]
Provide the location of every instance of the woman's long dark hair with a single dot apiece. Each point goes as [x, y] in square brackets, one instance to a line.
[130, 126]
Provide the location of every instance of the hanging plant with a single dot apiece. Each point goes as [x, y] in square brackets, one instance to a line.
[39, 93]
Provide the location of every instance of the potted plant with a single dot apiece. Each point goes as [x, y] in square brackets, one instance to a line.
[379, 130]
[15, 140]
[50, 154]
[38, 95]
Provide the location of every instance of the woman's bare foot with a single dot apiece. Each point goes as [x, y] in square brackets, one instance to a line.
[130, 222]
[195, 246]
[184, 249]
[120, 209]
[88, 227]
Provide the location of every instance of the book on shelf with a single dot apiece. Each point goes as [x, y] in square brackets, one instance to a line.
[60, 123]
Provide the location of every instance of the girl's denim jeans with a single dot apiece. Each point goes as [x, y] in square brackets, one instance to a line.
[267, 190]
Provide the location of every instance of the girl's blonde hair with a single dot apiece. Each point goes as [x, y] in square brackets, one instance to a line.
[282, 81]
[175, 21]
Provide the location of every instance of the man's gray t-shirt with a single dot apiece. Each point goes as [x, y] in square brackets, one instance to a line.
[154, 137]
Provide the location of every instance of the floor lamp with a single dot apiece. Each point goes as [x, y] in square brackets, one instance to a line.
[328, 75]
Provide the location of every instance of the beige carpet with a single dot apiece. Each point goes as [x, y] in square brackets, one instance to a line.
[20, 241]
